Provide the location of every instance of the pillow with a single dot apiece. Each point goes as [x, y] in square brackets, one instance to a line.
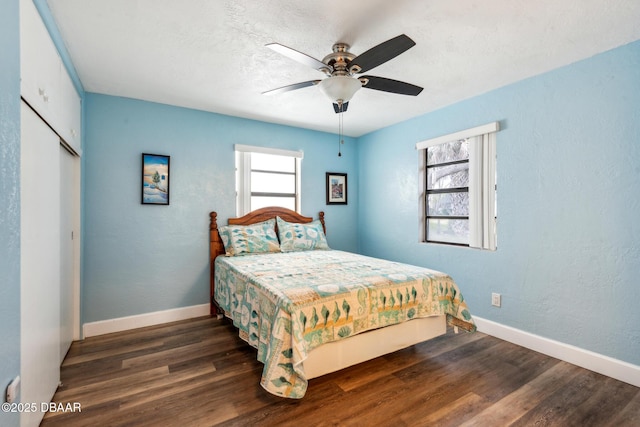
[249, 239]
[301, 237]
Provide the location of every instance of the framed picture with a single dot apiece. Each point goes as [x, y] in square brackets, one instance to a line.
[155, 179]
[336, 188]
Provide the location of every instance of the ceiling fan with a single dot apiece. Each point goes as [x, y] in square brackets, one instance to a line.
[343, 70]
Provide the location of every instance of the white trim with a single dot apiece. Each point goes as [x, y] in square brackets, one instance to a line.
[463, 134]
[102, 327]
[614, 368]
[268, 150]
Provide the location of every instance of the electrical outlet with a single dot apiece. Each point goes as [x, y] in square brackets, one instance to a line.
[496, 299]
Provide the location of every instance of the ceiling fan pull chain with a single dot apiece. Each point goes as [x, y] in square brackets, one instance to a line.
[340, 129]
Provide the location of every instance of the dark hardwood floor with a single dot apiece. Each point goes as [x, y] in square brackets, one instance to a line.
[199, 373]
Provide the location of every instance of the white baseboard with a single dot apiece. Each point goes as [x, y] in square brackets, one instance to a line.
[102, 327]
[599, 363]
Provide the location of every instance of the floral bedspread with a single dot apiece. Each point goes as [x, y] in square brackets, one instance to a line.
[286, 304]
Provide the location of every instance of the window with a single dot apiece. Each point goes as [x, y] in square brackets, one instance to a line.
[447, 192]
[458, 177]
[267, 177]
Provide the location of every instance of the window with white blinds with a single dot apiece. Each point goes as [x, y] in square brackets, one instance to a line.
[458, 188]
[267, 177]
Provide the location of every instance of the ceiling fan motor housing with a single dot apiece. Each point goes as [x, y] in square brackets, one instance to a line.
[339, 60]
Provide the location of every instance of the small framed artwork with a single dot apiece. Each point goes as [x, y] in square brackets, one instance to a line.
[336, 188]
[155, 179]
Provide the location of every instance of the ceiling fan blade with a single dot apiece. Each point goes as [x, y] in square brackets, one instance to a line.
[389, 85]
[289, 88]
[380, 54]
[300, 57]
[337, 108]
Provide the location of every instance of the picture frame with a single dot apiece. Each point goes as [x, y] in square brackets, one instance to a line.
[336, 188]
[155, 189]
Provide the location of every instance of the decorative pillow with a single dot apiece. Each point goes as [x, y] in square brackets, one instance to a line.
[249, 239]
[301, 237]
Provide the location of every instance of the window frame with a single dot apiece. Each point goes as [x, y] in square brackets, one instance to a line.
[243, 176]
[452, 190]
[482, 185]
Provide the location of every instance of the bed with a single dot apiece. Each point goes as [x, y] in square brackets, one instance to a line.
[310, 310]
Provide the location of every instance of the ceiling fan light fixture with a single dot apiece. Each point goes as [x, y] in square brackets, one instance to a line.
[339, 89]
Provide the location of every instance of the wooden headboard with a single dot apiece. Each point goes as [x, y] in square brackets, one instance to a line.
[217, 248]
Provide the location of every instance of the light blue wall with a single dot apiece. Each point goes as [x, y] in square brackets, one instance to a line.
[9, 200]
[568, 173]
[144, 258]
[568, 253]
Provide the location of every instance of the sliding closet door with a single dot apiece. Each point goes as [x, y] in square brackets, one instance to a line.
[40, 263]
[69, 250]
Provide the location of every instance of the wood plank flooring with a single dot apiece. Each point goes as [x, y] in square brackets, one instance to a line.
[199, 373]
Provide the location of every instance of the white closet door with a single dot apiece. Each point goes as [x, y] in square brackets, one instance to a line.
[68, 237]
[39, 263]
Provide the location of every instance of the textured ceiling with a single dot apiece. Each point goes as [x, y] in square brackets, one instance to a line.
[211, 55]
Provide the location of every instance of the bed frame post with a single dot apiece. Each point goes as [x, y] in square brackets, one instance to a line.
[215, 248]
[321, 218]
